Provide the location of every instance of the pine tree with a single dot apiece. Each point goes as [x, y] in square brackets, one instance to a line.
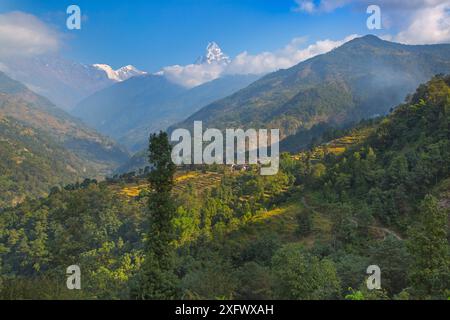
[157, 279]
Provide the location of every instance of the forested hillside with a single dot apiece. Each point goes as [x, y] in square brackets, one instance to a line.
[34, 111]
[376, 194]
[31, 163]
[42, 146]
[363, 78]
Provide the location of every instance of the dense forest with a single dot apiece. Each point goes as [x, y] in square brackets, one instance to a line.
[374, 194]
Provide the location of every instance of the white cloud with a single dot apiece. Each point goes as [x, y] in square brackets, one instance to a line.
[25, 35]
[429, 25]
[245, 63]
[411, 22]
[193, 74]
[305, 6]
[310, 6]
[287, 57]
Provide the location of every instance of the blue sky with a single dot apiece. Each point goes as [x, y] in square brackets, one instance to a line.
[260, 36]
[153, 34]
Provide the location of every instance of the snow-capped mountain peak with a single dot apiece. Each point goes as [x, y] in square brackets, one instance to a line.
[128, 72]
[214, 54]
[120, 74]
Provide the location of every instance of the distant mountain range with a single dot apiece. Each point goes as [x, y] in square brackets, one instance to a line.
[361, 79]
[66, 83]
[62, 81]
[130, 110]
[125, 104]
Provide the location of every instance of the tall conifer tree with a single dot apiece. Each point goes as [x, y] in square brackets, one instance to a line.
[157, 279]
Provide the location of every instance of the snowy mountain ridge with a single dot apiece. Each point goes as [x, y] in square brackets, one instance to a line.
[120, 74]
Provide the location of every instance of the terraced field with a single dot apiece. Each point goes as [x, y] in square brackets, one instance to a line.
[199, 181]
[338, 146]
[196, 179]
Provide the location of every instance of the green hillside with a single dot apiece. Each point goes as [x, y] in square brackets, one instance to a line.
[31, 162]
[42, 146]
[363, 78]
[376, 195]
[101, 155]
